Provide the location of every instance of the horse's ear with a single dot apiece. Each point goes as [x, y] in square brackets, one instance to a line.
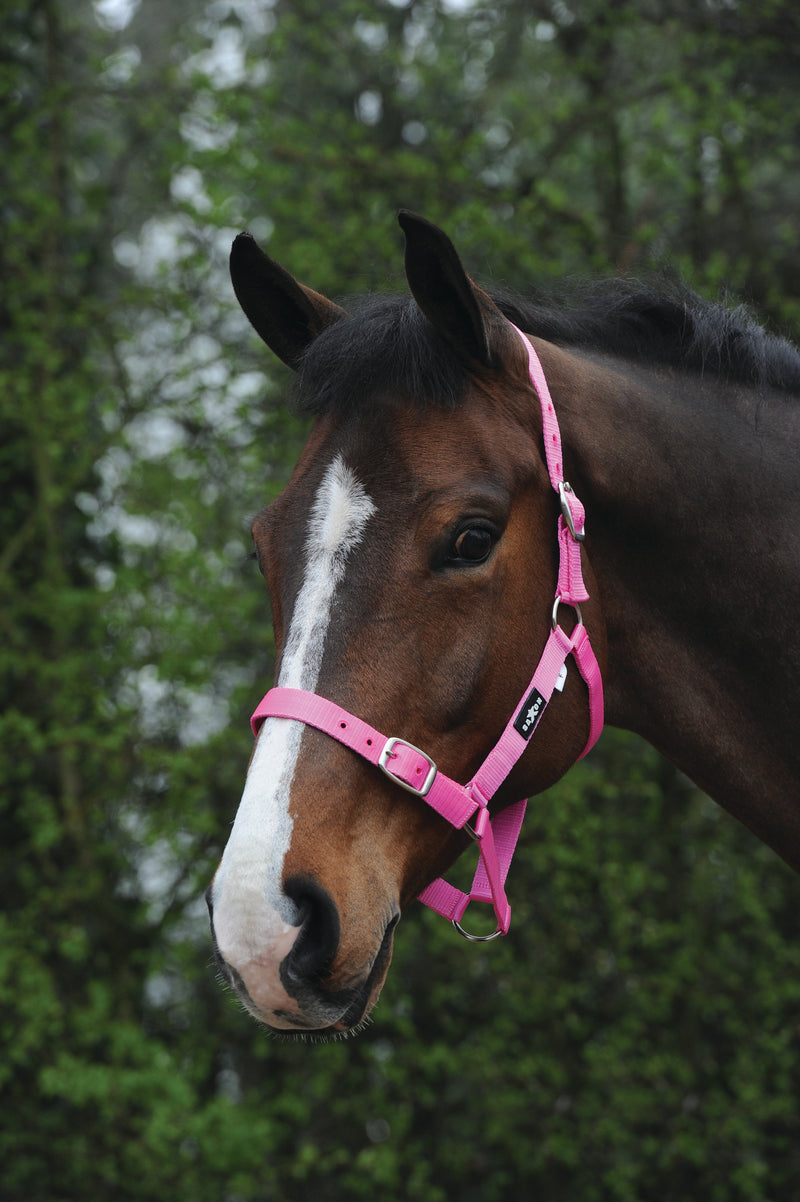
[459, 309]
[286, 314]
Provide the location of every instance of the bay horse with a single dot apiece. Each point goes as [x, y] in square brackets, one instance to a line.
[485, 481]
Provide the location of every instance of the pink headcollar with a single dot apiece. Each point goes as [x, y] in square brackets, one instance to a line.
[466, 806]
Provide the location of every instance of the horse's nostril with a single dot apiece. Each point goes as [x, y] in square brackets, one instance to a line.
[316, 944]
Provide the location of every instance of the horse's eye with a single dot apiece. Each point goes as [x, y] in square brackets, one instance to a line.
[473, 545]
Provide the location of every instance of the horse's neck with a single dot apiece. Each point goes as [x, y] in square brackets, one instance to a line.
[693, 512]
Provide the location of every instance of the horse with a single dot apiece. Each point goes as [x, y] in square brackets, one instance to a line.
[509, 519]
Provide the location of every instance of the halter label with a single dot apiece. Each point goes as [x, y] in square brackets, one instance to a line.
[528, 717]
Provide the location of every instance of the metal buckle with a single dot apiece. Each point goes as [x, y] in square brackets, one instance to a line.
[563, 489]
[389, 751]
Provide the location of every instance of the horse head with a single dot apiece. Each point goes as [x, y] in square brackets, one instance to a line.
[411, 565]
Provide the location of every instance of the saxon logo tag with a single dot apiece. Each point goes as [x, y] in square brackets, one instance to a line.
[528, 717]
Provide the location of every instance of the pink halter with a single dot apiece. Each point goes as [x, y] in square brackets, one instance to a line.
[466, 806]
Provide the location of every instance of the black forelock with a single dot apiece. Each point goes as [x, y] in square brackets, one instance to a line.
[387, 348]
[384, 348]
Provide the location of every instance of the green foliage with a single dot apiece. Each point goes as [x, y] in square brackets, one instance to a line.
[636, 1035]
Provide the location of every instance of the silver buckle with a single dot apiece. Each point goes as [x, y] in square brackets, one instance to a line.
[389, 751]
[563, 489]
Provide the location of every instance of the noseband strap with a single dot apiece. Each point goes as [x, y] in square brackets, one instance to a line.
[465, 807]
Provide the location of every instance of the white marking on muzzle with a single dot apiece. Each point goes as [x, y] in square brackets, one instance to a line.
[254, 921]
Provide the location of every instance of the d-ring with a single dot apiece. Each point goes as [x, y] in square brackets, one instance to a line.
[572, 604]
[475, 938]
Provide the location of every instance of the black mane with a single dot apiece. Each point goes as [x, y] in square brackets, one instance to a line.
[387, 347]
[669, 325]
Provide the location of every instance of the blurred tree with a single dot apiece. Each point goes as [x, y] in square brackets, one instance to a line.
[94, 592]
[637, 1033]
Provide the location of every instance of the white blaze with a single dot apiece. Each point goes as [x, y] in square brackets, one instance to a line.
[253, 919]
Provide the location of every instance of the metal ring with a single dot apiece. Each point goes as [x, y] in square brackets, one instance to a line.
[572, 604]
[475, 938]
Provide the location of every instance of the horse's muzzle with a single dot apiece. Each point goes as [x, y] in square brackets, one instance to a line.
[306, 971]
